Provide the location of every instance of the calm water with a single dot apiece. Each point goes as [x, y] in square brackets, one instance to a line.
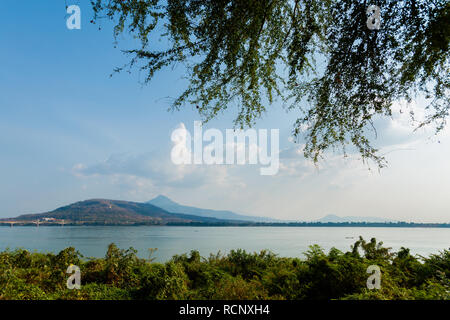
[293, 241]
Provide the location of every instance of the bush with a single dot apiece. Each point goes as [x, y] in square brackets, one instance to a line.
[239, 275]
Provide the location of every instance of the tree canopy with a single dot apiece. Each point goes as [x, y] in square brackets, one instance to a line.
[320, 57]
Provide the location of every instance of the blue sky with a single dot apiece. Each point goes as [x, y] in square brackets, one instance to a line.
[69, 132]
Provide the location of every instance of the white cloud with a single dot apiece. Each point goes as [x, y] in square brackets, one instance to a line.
[300, 190]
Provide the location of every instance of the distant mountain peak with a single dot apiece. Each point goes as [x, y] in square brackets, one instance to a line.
[162, 200]
[331, 216]
[337, 219]
[162, 197]
[172, 206]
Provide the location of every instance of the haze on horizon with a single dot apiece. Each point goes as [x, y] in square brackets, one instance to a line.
[69, 132]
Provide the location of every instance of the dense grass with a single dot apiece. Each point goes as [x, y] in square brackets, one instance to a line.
[238, 275]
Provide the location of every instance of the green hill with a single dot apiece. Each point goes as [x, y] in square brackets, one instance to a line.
[103, 211]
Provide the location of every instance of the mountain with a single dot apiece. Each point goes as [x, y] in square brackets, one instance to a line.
[336, 219]
[158, 211]
[103, 211]
[169, 205]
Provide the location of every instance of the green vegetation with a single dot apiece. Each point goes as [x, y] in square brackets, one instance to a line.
[238, 275]
[318, 57]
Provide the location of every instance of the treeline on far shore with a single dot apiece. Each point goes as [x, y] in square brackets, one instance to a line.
[320, 275]
[232, 223]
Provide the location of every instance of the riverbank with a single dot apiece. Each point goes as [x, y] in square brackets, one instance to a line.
[122, 275]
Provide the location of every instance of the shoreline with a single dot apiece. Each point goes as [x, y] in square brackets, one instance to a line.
[196, 224]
